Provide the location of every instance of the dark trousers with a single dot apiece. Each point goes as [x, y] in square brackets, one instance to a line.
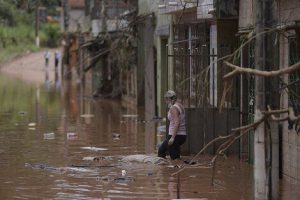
[56, 62]
[174, 149]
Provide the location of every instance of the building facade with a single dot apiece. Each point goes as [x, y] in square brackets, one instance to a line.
[287, 43]
[202, 33]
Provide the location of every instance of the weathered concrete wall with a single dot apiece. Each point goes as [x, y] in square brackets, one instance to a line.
[163, 36]
[146, 69]
[289, 11]
[246, 14]
[290, 139]
[162, 27]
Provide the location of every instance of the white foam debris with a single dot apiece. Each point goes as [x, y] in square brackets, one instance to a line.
[32, 124]
[49, 136]
[88, 158]
[129, 116]
[87, 115]
[94, 148]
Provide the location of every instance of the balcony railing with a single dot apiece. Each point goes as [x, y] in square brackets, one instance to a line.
[205, 8]
[173, 6]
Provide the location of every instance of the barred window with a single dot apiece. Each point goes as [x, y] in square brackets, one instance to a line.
[294, 78]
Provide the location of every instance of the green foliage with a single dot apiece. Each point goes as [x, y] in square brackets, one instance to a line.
[16, 40]
[17, 30]
[50, 34]
[29, 5]
[12, 52]
[11, 16]
[7, 13]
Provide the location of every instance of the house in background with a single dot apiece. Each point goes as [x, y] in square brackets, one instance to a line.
[74, 18]
[201, 33]
[74, 22]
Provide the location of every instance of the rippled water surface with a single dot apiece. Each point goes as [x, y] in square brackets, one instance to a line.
[44, 127]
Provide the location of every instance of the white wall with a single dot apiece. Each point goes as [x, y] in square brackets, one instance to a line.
[78, 17]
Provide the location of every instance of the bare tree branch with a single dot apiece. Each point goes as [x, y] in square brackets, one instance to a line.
[242, 70]
[239, 132]
[292, 115]
[202, 150]
[254, 125]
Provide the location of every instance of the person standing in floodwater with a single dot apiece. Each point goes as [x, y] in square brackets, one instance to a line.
[56, 59]
[46, 56]
[177, 131]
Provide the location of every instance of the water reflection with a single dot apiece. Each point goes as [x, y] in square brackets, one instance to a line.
[57, 79]
[67, 112]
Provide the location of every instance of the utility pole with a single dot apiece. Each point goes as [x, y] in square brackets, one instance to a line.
[265, 168]
[37, 22]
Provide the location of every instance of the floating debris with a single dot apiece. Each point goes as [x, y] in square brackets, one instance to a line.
[78, 169]
[89, 158]
[72, 136]
[116, 136]
[94, 148]
[123, 179]
[49, 136]
[174, 166]
[22, 113]
[81, 165]
[87, 115]
[32, 124]
[31, 128]
[144, 159]
[129, 116]
[104, 178]
[45, 167]
[58, 169]
[149, 173]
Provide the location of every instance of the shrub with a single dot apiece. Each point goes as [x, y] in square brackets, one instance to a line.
[50, 34]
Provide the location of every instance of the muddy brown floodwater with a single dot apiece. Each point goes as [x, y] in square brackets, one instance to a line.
[51, 131]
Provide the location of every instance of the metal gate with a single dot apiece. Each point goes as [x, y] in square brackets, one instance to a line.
[191, 59]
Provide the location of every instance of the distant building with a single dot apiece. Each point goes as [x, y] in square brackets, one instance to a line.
[73, 16]
[201, 33]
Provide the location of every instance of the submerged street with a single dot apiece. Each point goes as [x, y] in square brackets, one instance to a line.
[58, 143]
